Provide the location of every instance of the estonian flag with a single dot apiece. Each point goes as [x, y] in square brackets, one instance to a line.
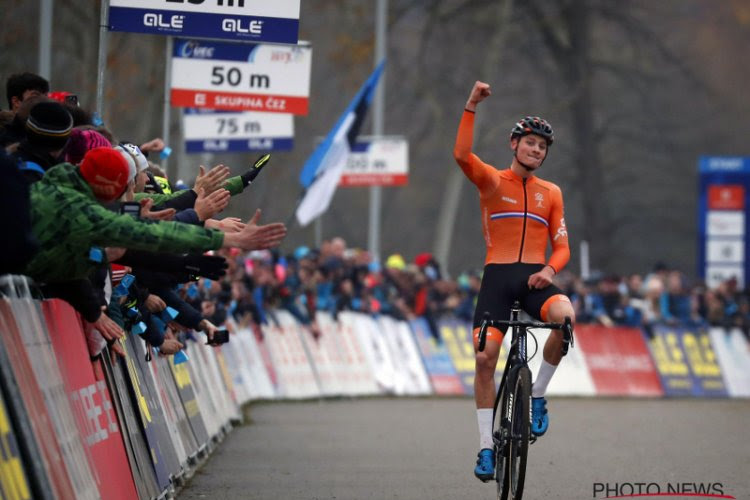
[321, 173]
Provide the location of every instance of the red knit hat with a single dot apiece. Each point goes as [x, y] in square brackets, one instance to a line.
[106, 171]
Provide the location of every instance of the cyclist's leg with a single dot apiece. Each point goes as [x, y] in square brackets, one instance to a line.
[548, 304]
[492, 300]
[555, 310]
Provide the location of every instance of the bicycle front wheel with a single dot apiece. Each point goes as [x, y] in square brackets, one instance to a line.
[520, 429]
[500, 435]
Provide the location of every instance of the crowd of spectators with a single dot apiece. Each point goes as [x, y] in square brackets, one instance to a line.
[336, 278]
[97, 223]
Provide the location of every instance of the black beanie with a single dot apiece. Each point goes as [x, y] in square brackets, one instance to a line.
[48, 126]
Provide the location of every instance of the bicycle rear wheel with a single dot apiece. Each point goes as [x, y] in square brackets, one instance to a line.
[520, 429]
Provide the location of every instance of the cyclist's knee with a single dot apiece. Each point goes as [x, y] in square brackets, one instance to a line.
[486, 363]
[560, 310]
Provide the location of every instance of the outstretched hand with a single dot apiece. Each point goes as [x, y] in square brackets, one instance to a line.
[479, 93]
[147, 213]
[255, 237]
[206, 206]
[212, 180]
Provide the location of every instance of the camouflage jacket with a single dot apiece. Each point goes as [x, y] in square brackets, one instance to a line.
[234, 185]
[68, 221]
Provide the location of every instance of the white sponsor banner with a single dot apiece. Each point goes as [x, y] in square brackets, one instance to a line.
[374, 350]
[718, 273]
[258, 381]
[249, 77]
[572, 377]
[725, 223]
[382, 161]
[295, 374]
[733, 352]
[725, 251]
[320, 362]
[348, 359]
[405, 355]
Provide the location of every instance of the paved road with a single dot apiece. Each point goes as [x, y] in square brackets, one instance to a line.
[425, 448]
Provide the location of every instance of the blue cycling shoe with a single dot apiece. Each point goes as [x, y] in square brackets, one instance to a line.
[485, 469]
[539, 418]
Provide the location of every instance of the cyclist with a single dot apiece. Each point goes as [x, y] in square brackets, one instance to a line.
[520, 214]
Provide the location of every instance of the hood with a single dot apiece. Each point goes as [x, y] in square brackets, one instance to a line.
[67, 176]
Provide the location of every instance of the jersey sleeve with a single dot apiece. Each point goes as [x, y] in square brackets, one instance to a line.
[558, 233]
[481, 174]
[106, 228]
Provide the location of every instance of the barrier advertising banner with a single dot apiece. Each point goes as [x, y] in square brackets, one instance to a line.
[295, 375]
[93, 408]
[55, 469]
[13, 484]
[151, 419]
[686, 362]
[212, 131]
[352, 365]
[405, 354]
[458, 339]
[436, 359]
[619, 361]
[245, 20]
[248, 77]
[733, 353]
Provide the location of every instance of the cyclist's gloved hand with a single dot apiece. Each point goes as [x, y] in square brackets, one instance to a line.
[255, 169]
[208, 266]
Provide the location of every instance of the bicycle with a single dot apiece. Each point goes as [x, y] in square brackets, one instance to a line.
[511, 415]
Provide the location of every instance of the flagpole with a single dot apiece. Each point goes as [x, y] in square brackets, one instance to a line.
[373, 239]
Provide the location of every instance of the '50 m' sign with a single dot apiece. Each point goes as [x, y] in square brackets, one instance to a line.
[248, 77]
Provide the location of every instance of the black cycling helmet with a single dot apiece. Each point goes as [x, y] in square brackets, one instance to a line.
[533, 125]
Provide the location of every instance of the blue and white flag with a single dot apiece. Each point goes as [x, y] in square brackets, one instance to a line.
[321, 173]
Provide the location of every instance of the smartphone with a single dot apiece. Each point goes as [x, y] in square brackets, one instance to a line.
[131, 208]
[220, 337]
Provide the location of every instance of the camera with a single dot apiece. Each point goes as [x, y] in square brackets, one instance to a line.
[220, 337]
[131, 208]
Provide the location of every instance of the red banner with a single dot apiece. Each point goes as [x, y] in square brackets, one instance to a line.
[240, 102]
[619, 361]
[90, 398]
[41, 424]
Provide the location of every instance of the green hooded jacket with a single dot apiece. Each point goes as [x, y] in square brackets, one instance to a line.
[67, 220]
[234, 185]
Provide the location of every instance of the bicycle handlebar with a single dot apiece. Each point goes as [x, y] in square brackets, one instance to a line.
[566, 327]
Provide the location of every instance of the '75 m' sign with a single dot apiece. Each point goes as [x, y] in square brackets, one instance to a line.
[241, 77]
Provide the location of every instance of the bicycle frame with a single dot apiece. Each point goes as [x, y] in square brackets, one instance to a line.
[508, 439]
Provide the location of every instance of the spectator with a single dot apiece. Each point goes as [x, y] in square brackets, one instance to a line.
[47, 130]
[68, 221]
[675, 301]
[22, 86]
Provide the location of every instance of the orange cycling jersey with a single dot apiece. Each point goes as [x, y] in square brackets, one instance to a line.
[518, 215]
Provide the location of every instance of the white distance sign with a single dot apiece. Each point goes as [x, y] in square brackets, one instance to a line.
[377, 162]
[209, 131]
[241, 77]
